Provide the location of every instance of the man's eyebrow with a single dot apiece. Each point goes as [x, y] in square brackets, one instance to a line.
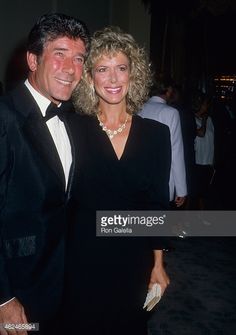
[66, 49]
[60, 49]
[81, 54]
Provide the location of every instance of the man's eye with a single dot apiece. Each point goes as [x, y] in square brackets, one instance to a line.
[79, 60]
[59, 54]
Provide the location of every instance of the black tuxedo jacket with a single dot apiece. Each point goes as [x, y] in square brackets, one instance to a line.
[33, 204]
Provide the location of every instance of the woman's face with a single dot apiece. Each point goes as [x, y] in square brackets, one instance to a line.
[111, 78]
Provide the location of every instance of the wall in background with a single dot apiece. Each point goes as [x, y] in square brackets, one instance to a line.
[132, 17]
[18, 16]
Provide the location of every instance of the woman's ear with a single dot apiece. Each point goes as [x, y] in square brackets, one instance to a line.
[32, 61]
[90, 78]
[91, 82]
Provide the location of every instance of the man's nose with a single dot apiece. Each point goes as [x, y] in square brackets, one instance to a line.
[68, 66]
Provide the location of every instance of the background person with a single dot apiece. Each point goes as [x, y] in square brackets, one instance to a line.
[157, 108]
[204, 150]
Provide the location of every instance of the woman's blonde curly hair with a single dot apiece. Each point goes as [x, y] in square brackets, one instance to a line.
[110, 41]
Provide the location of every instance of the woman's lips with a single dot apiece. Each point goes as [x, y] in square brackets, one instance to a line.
[113, 90]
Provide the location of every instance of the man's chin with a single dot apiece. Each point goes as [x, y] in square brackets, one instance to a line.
[58, 99]
[62, 94]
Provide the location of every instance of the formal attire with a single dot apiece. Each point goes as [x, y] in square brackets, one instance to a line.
[157, 109]
[35, 184]
[107, 278]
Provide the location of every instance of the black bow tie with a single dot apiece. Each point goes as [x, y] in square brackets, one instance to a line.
[53, 110]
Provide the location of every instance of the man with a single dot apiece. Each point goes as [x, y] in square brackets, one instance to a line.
[156, 108]
[36, 171]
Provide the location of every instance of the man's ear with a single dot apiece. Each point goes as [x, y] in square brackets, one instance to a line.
[32, 61]
[169, 92]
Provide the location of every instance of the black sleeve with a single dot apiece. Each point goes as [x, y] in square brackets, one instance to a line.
[5, 291]
[160, 191]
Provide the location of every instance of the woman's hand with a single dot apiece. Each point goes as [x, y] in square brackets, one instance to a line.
[158, 274]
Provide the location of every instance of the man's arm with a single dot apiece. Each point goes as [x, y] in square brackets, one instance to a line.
[5, 289]
[178, 161]
[11, 310]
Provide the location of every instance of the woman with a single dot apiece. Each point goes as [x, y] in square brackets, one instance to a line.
[123, 164]
[204, 150]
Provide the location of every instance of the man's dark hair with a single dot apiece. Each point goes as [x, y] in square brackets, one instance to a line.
[52, 26]
[161, 85]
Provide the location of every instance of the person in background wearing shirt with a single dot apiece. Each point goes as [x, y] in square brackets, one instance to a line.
[204, 150]
[36, 173]
[156, 108]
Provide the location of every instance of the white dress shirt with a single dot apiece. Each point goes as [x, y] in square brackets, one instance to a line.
[57, 130]
[157, 109]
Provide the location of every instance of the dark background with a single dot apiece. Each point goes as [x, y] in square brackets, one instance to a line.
[193, 40]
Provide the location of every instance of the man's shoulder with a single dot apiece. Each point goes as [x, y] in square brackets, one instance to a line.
[11, 100]
[15, 105]
[168, 110]
[7, 111]
[6, 100]
[155, 108]
[153, 104]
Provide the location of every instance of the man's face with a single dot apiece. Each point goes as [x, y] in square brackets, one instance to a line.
[56, 73]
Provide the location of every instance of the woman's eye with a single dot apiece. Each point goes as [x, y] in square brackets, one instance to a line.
[101, 69]
[123, 68]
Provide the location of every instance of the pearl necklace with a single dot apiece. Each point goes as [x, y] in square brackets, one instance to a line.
[111, 133]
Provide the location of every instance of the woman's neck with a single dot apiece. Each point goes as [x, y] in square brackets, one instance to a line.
[112, 115]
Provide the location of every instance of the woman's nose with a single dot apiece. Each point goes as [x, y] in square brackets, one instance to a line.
[113, 76]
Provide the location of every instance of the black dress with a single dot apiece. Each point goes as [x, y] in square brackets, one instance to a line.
[107, 277]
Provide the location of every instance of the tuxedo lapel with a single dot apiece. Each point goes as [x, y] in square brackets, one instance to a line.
[38, 134]
[72, 168]
[36, 131]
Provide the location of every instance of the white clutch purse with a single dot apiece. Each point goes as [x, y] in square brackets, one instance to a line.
[153, 297]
